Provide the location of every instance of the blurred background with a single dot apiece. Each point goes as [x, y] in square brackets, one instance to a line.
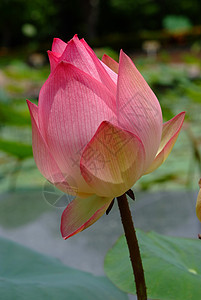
[164, 40]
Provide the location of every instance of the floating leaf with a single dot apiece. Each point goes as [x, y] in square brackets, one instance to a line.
[25, 274]
[172, 266]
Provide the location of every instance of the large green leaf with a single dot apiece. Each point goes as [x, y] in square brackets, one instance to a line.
[172, 266]
[27, 275]
[10, 116]
[17, 149]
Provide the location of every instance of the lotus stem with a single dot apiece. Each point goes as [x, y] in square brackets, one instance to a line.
[133, 247]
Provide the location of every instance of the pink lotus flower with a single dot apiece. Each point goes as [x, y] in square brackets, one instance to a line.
[97, 129]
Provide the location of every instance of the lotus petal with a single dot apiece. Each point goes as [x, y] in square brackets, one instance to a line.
[111, 63]
[112, 161]
[171, 130]
[80, 56]
[82, 213]
[43, 157]
[138, 109]
[58, 46]
[71, 107]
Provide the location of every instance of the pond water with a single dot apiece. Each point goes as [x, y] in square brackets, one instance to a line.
[27, 218]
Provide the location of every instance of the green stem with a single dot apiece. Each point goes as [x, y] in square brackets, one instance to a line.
[133, 247]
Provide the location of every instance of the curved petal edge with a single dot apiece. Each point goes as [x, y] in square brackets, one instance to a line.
[42, 156]
[82, 213]
[138, 109]
[111, 63]
[112, 161]
[54, 60]
[170, 134]
[58, 46]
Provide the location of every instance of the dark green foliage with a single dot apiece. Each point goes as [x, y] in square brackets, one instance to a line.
[9, 116]
[16, 149]
[37, 21]
[16, 13]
